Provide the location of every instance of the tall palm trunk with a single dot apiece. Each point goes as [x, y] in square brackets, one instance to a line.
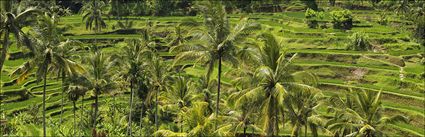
[305, 126]
[283, 119]
[156, 110]
[141, 117]
[63, 91]
[209, 71]
[113, 109]
[44, 102]
[295, 129]
[218, 90]
[75, 108]
[82, 112]
[244, 130]
[276, 118]
[96, 107]
[181, 121]
[131, 108]
[2, 59]
[4, 49]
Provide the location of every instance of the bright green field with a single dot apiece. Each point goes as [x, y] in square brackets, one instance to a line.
[321, 51]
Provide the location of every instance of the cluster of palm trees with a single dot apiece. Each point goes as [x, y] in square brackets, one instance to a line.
[265, 94]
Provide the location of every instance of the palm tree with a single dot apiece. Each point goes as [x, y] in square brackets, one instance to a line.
[360, 113]
[98, 78]
[199, 122]
[133, 60]
[180, 95]
[237, 120]
[74, 92]
[159, 77]
[49, 57]
[67, 49]
[48, 31]
[302, 111]
[92, 15]
[216, 42]
[179, 36]
[274, 82]
[12, 22]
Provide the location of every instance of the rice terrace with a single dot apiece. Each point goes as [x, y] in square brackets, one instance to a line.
[241, 68]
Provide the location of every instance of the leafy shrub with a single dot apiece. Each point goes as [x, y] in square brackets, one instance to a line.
[342, 19]
[313, 18]
[419, 32]
[359, 41]
[383, 19]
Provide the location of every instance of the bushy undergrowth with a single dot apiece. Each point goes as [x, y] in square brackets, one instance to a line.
[359, 42]
[313, 17]
[342, 19]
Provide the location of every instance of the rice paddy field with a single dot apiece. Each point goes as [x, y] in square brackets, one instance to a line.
[393, 68]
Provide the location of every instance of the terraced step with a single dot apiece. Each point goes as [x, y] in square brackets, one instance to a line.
[104, 36]
[326, 82]
[344, 65]
[409, 128]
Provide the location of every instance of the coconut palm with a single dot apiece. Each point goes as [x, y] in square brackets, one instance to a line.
[74, 92]
[48, 32]
[67, 49]
[237, 120]
[49, 57]
[159, 77]
[302, 111]
[199, 122]
[179, 36]
[216, 42]
[12, 22]
[360, 113]
[133, 59]
[98, 78]
[92, 15]
[274, 81]
[179, 97]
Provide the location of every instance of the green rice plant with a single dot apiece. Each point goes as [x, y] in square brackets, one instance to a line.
[359, 41]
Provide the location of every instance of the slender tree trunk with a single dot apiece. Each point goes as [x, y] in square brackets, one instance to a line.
[4, 49]
[156, 110]
[276, 119]
[295, 130]
[131, 108]
[244, 131]
[96, 107]
[82, 114]
[141, 118]
[209, 71]
[63, 92]
[217, 110]
[283, 119]
[305, 126]
[181, 121]
[3, 56]
[113, 109]
[44, 102]
[252, 131]
[75, 108]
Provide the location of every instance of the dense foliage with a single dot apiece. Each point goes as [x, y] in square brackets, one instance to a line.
[313, 18]
[342, 19]
[211, 68]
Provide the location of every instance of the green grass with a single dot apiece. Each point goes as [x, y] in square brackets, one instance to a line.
[290, 28]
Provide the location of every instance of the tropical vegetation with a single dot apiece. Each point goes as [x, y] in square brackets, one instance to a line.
[212, 68]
